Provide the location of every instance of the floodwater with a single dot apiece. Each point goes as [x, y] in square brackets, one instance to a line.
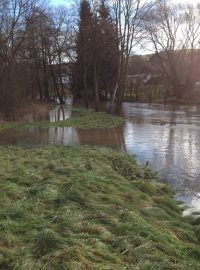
[168, 137]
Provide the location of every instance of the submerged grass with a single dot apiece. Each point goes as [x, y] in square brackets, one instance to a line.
[81, 118]
[88, 208]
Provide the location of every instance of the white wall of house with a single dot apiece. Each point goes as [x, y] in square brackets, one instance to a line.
[65, 79]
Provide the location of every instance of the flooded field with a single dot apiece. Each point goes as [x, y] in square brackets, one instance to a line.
[168, 137]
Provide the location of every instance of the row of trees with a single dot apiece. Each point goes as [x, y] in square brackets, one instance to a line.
[95, 69]
[169, 31]
[34, 41]
[107, 34]
[96, 40]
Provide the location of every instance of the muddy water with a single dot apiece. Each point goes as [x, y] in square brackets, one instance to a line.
[166, 136]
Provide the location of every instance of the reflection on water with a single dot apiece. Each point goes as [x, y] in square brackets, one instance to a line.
[167, 136]
[65, 136]
[105, 137]
[173, 151]
[60, 113]
[192, 205]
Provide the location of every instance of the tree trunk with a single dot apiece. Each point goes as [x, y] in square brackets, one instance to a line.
[86, 99]
[122, 86]
[61, 95]
[113, 97]
[114, 94]
[96, 86]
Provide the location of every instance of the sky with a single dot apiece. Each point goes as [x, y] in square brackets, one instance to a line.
[63, 2]
[139, 50]
[60, 2]
[186, 1]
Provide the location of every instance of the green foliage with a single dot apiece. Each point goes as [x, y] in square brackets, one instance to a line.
[75, 208]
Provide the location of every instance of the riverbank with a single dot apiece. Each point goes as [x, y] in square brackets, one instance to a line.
[80, 118]
[89, 208]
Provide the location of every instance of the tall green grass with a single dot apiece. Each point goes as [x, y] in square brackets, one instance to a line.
[88, 208]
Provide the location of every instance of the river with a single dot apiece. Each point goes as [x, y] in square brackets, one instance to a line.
[168, 137]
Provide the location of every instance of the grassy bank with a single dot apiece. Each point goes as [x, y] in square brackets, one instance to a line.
[88, 208]
[81, 118]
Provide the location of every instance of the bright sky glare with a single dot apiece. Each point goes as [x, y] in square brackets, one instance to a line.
[67, 2]
[186, 1]
[60, 2]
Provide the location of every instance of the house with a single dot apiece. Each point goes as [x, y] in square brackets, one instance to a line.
[65, 79]
[62, 74]
[138, 79]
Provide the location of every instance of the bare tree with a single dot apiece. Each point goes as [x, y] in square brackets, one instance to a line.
[13, 28]
[128, 22]
[59, 49]
[191, 32]
[173, 30]
[49, 43]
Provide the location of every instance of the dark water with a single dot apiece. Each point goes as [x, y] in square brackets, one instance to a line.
[167, 136]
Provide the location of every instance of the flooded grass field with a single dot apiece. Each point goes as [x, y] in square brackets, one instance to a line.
[167, 137]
